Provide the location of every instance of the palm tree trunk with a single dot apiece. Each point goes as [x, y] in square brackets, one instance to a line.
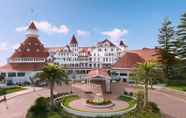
[151, 84]
[146, 93]
[52, 94]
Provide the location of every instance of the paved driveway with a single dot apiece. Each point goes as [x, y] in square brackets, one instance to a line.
[171, 104]
[18, 106]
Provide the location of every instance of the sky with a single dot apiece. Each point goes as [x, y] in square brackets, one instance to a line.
[136, 22]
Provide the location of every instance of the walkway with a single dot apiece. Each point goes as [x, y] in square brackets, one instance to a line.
[169, 103]
[16, 107]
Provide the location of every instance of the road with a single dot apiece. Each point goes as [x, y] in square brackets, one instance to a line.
[17, 106]
[171, 104]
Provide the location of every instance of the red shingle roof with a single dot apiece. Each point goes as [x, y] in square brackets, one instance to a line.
[106, 41]
[32, 26]
[31, 47]
[73, 40]
[98, 73]
[129, 60]
[22, 67]
[132, 58]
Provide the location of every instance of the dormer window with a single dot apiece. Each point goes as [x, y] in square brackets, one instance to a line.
[28, 49]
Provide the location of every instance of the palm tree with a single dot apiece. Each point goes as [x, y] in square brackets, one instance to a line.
[146, 72]
[53, 74]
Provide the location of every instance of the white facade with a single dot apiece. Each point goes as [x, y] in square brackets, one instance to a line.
[83, 59]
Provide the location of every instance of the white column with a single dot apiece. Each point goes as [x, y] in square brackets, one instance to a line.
[107, 85]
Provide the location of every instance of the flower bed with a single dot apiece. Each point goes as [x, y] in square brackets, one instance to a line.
[103, 102]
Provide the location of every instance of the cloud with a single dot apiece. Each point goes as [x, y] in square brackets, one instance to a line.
[21, 29]
[81, 33]
[47, 27]
[3, 46]
[116, 34]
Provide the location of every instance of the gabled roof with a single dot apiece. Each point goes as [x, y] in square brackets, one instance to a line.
[73, 40]
[106, 41]
[32, 26]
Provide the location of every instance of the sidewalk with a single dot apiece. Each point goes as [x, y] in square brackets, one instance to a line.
[22, 92]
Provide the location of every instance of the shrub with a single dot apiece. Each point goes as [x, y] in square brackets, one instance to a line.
[152, 107]
[104, 102]
[39, 109]
[130, 93]
[140, 100]
[125, 93]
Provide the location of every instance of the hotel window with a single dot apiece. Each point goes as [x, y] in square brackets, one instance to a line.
[21, 74]
[11, 74]
[99, 49]
[3, 74]
[123, 74]
[94, 65]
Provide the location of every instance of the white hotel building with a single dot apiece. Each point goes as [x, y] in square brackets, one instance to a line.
[82, 59]
[30, 57]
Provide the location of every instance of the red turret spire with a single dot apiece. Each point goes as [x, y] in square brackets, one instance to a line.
[73, 40]
[32, 26]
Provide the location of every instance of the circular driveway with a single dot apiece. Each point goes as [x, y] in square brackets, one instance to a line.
[170, 103]
[81, 105]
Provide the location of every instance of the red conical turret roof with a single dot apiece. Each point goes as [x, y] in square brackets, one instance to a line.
[122, 44]
[73, 40]
[32, 26]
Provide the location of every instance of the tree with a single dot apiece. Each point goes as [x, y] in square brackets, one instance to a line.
[53, 75]
[167, 46]
[39, 109]
[181, 38]
[146, 72]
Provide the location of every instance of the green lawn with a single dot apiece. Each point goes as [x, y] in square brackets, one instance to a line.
[68, 99]
[178, 87]
[10, 90]
[129, 100]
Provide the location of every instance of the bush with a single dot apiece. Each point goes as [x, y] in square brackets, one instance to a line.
[40, 109]
[152, 107]
[130, 93]
[125, 93]
[104, 102]
[140, 100]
